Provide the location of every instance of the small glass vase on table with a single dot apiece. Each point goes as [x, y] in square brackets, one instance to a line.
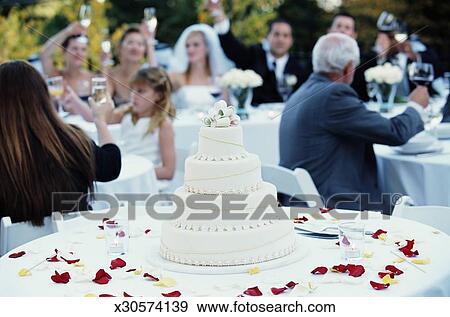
[117, 237]
[351, 241]
[385, 96]
[241, 97]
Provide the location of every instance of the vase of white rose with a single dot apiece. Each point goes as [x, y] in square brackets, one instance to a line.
[240, 84]
[386, 78]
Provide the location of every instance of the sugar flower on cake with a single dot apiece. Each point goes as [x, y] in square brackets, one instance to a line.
[221, 115]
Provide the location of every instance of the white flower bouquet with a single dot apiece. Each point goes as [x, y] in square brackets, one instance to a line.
[240, 83]
[383, 80]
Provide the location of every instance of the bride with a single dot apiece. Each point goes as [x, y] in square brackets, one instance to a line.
[197, 63]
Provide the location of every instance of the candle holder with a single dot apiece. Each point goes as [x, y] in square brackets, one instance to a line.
[117, 236]
[351, 240]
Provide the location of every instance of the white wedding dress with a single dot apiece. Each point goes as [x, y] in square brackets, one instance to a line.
[195, 97]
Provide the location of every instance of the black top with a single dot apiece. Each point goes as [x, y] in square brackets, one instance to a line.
[254, 58]
[70, 198]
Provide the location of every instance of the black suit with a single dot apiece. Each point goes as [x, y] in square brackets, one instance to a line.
[254, 58]
[446, 111]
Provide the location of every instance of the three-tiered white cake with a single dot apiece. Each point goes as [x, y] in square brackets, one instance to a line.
[222, 167]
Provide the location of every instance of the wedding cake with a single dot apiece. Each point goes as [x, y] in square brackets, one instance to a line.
[220, 170]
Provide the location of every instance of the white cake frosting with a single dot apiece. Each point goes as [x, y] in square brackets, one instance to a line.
[222, 167]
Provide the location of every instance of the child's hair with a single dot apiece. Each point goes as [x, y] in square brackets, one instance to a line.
[159, 81]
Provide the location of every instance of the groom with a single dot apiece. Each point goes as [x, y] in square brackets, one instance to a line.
[272, 61]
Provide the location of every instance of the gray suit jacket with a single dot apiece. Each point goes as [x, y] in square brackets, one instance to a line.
[328, 131]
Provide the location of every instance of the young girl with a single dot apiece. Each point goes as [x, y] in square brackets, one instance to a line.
[146, 122]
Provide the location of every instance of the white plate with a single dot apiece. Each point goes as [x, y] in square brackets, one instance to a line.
[155, 259]
[411, 150]
[443, 130]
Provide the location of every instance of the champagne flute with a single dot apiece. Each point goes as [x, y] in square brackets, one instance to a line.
[387, 22]
[106, 47]
[85, 15]
[56, 90]
[99, 93]
[150, 19]
[284, 89]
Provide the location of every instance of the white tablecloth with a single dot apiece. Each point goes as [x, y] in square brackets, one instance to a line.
[82, 237]
[91, 129]
[137, 176]
[426, 178]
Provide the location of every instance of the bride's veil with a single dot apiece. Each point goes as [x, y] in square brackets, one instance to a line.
[218, 61]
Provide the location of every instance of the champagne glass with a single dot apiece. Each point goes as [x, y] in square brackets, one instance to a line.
[56, 90]
[106, 47]
[284, 89]
[387, 22]
[99, 92]
[150, 19]
[85, 15]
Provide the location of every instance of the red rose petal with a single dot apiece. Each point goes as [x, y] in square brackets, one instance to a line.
[253, 291]
[338, 243]
[300, 219]
[320, 270]
[16, 255]
[345, 241]
[379, 286]
[117, 263]
[101, 277]
[53, 259]
[355, 270]
[291, 284]
[130, 270]
[61, 278]
[277, 291]
[408, 253]
[106, 295]
[125, 294]
[101, 227]
[70, 261]
[151, 277]
[172, 294]
[341, 268]
[147, 231]
[394, 270]
[383, 274]
[325, 210]
[377, 233]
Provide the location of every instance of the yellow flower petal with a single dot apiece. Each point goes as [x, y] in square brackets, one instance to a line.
[254, 270]
[311, 287]
[166, 282]
[398, 260]
[368, 254]
[24, 272]
[388, 280]
[436, 232]
[138, 272]
[421, 261]
[90, 295]
[382, 237]
[100, 236]
[79, 264]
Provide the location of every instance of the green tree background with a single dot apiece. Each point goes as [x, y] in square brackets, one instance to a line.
[21, 26]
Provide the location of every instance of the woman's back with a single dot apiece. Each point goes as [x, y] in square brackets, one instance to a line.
[42, 156]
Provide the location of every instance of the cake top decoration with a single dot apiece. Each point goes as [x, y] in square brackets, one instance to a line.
[221, 115]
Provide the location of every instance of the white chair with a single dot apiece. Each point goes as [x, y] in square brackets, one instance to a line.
[290, 182]
[435, 216]
[13, 235]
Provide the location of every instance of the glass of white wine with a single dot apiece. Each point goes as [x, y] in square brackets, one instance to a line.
[85, 15]
[99, 92]
[56, 90]
[150, 19]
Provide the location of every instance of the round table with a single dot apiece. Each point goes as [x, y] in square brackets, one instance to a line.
[136, 176]
[91, 130]
[84, 239]
[423, 177]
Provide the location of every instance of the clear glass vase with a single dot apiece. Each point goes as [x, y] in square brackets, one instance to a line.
[385, 96]
[241, 98]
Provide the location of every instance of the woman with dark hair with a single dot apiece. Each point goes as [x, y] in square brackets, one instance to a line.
[134, 45]
[74, 44]
[40, 154]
